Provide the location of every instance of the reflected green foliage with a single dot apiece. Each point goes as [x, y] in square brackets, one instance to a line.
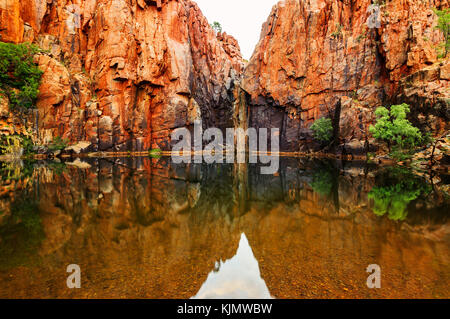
[15, 171]
[21, 233]
[57, 167]
[322, 130]
[397, 188]
[400, 154]
[322, 182]
[19, 75]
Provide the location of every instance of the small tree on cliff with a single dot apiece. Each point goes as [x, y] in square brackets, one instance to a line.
[217, 27]
[323, 130]
[393, 128]
[444, 26]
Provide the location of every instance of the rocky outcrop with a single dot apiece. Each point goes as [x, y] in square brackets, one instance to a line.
[16, 123]
[322, 59]
[123, 74]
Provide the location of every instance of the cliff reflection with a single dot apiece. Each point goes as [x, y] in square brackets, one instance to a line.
[145, 228]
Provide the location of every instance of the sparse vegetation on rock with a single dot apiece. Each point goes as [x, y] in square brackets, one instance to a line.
[337, 32]
[444, 26]
[58, 144]
[217, 27]
[16, 145]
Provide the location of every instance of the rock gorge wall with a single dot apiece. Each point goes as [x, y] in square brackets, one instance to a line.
[123, 74]
[319, 58]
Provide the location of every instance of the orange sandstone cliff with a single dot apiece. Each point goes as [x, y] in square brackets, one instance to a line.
[123, 74]
[320, 58]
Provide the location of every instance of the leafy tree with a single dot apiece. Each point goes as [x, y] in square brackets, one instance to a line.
[19, 75]
[322, 129]
[393, 127]
[217, 27]
[444, 26]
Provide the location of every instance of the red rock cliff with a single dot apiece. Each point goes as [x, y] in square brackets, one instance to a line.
[123, 74]
[314, 53]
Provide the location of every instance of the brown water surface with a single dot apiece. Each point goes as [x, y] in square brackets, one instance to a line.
[146, 228]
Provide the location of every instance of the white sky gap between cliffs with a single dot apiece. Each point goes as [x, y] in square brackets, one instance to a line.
[242, 19]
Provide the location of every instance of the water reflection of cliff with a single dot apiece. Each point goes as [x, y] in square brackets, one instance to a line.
[145, 228]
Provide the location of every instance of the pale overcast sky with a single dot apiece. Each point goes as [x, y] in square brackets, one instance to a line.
[242, 19]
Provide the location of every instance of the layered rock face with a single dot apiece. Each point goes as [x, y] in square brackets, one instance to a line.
[321, 58]
[124, 74]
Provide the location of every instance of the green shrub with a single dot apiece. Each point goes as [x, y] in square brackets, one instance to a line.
[360, 37]
[444, 26]
[15, 171]
[155, 153]
[10, 145]
[393, 128]
[337, 32]
[19, 75]
[322, 130]
[58, 144]
[14, 144]
[217, 27]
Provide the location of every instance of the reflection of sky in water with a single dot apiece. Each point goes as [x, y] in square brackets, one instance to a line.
[237, 278]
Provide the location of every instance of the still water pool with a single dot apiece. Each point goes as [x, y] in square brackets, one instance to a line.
[147, 228]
